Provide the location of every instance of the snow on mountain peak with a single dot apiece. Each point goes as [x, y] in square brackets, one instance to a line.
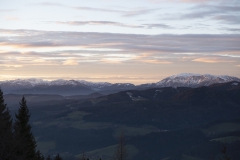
[185, 75]
[29, 81]
[36, 81]
[194, 80]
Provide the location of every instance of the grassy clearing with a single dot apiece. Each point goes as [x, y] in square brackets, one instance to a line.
[37, 123]
[166, 158]
[97, 100]
[44, 147]
[89, 125]
[185, 157]
[81, 124]
[108, 152]
[228, 139]
[134, 131]
[76, 116]
[75, 120]
[222, 128]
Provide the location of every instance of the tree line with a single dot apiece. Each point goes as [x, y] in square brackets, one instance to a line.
[17, 141]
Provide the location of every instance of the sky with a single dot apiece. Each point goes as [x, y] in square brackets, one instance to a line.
[124, 41]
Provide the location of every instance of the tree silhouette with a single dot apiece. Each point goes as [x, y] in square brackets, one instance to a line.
[58, 157]
[224, 152]
[39, 156]
[5, 130]
[121, 150]
[83, 156]
[24, 139]
[48, 157]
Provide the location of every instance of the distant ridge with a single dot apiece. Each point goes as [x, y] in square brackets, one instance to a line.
[194, 80]
[82, 87]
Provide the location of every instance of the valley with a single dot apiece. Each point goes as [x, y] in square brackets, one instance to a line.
[187, 117]
[158, 123]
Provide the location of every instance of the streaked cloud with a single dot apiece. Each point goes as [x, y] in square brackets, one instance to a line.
[98, 9]
[232, 29]
[191, 1]
[211, 60]
[229, 19]
[137, 12]
[157, 25]
[11, 65]
[99, 23]
[225, 13]
[124, 13]
[49, 4]
[110, 42]
[71, 62]
[7, 10]
[155, 61]
[111, 23]
[12, 18]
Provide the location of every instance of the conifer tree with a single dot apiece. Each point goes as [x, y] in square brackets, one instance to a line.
[121, 150]
[24, 139]
[5, 130]
[58, 157]
[83, 156]
[48, 157]
[224, 152]
[39, 156]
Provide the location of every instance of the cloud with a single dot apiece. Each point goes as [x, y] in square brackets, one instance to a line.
[195, 1]
[97, 9]
[11, 65]
[71, 62]
[124, 13]
[12, 18]
[155, 61]
[7, 10]
[192, 1]
[81, 7]
[231, 29]
[198, 14]
[227, 13]
[99, 23]
[228, 19]
[157, 25]
[33, 47]
[50, 4]
[211, 60]
[137, 12]
[167, 43]
[111, 23]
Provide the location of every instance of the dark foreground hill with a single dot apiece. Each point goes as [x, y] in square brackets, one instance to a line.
[159, 123]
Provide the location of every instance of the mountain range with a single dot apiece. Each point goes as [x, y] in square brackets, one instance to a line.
[82, 87]
[159, 123]
[188, 118]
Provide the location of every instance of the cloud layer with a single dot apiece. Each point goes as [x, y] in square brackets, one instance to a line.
[71, 48]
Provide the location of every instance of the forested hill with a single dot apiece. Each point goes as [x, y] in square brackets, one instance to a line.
[159, 123]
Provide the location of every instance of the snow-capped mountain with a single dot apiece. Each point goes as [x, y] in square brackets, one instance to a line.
[194, 80]
[75, 87]
[61, 86]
